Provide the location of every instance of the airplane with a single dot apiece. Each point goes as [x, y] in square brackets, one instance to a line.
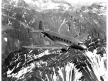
[62, 42]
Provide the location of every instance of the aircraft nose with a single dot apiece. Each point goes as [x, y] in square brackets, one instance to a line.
[83, 46]
[80, 47]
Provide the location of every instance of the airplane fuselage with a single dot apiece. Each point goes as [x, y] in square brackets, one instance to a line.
[64, 40]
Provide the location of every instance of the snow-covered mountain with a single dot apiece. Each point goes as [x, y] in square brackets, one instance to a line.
[41, 5]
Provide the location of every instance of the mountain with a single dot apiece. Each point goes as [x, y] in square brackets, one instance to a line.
[19, 18]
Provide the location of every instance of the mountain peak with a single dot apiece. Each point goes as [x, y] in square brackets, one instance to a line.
[42, 5]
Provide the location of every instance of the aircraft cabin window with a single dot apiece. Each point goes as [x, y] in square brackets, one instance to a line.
[69, 41]
[56, 37]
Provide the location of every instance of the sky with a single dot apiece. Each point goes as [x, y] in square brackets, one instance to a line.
[76, 3]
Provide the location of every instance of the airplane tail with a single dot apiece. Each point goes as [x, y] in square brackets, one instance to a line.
[41, 25]
[41, 28]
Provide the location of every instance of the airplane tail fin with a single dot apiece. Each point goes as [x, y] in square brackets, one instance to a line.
[41, 28]
[41, 25]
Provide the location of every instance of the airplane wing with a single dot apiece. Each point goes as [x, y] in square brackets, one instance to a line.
[43, 47]
[82, 37]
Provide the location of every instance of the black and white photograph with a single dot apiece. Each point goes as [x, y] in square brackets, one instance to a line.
[54, 40]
